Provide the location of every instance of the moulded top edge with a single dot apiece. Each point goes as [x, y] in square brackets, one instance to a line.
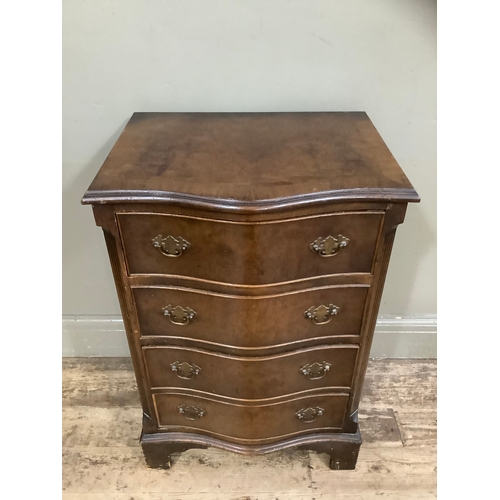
[349, 195]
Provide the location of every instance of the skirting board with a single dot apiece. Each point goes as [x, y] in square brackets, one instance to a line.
[395, 337]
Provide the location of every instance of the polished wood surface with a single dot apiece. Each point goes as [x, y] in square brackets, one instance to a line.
[218, 228]
[102, 457]
[243, 160]
[251, 423]
[248, 253]
[251, 321]
[247, 378]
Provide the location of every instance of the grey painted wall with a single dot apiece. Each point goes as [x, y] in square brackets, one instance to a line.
[272, 55]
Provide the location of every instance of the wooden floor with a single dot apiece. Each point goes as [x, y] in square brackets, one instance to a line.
[103, 461]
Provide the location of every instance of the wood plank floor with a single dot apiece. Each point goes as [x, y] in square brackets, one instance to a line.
[102, 459]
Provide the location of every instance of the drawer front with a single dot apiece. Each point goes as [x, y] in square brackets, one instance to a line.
[251, 377]
[249, 253]
[254, 321]
[257, 423]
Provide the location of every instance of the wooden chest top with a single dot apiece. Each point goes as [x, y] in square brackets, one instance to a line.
[249, 161]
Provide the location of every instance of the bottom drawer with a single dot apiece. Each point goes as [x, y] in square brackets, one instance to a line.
[251, 422]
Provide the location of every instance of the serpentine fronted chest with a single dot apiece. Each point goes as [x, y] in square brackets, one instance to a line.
[249, 252]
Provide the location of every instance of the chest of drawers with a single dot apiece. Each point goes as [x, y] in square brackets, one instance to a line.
[249, 252]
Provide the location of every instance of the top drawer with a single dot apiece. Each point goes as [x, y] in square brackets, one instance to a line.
[249, 253]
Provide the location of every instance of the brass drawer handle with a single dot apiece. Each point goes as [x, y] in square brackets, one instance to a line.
[178, 315]
[329, 246]
[321, 315]
[170, 246]
[191, 412]
[185, 370]
[308, 415]
[315, 371]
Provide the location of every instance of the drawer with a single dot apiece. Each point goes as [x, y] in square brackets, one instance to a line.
[249, 253]
[251, 423]
[254, 321]
[251, 377]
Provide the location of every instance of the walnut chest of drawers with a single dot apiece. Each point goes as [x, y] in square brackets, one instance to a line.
[249, 252]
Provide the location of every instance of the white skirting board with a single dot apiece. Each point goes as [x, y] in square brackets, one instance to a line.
[395, 337]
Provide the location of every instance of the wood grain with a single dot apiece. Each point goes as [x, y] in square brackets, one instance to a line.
[251, 377]
[240, 160]
[249, 321]
[102, 458]
[227, 171]
[246, 253]
[251, 423]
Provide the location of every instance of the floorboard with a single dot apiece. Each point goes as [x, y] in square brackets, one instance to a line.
[102, 459]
